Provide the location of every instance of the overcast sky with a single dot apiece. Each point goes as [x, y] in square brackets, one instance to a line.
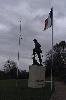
[33, 13]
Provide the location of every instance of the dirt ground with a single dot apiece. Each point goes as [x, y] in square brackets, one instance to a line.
[60, 91]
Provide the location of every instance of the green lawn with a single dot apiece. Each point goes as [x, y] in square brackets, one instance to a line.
[9, 91]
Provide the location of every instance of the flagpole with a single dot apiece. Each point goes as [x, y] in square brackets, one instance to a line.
[19, 38]
[52, 50]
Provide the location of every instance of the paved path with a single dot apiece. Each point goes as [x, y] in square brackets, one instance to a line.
[60, 91]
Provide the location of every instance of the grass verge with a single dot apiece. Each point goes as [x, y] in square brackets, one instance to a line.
[9, 91]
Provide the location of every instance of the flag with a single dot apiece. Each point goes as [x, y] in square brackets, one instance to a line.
[49, 20]
[19, 40]
[20, 27]
[18, 55]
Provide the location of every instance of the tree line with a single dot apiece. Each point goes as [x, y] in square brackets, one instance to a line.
[58, 66]
[10, 71]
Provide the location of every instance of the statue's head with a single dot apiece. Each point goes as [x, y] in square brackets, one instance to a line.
[35, 40]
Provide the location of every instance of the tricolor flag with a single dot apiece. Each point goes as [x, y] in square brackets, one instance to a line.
[49, 20]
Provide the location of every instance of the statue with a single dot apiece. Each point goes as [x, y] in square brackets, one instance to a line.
[37, 50]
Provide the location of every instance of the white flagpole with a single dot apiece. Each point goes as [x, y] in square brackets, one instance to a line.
[19, 42]
[52, 50]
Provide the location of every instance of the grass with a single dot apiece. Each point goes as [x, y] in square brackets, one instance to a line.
[9, 91]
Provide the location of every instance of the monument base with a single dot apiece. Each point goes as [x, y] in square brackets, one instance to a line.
[36, 76]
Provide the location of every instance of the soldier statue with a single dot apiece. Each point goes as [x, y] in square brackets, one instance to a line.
[37, 50]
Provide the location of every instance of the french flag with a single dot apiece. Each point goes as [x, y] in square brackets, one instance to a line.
[49, 20]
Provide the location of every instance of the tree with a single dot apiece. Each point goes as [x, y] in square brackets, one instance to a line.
[9, 65]
[10, 69]
[62, 44]
[58, 59]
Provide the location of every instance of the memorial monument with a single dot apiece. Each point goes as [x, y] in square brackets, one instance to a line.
[37, 50]
[36, 70]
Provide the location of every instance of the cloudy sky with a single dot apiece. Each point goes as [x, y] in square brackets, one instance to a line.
[33, 13]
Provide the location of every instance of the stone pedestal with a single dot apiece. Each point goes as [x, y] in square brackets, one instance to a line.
[36, 76]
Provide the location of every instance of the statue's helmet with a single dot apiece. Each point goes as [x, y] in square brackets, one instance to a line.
[35, 40]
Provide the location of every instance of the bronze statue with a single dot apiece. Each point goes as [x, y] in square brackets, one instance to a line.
[37, 50]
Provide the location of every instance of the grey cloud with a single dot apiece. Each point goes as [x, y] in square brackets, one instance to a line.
[33, 13]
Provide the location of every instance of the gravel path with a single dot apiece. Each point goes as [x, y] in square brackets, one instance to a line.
[60, 91]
